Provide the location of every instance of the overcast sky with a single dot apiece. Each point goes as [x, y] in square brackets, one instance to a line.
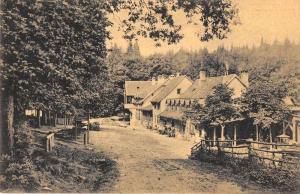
[270, 19]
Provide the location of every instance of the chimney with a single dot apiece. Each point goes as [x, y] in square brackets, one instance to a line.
[226, 64]
[244, 76]
[202, 74]
[160, 79]
[171, 76]
[153, 81]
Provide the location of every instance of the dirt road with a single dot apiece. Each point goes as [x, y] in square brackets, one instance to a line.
[149, 162]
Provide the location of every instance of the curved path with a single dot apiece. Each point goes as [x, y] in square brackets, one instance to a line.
[149, 162]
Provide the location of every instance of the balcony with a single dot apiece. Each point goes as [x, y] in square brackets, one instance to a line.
[129, 106]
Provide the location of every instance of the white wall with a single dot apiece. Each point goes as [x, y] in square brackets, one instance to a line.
[238, 88]
[183, 85]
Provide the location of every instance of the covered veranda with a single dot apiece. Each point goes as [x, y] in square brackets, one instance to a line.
[229, 130]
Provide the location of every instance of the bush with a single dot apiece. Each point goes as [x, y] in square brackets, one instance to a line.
[170, 132]
[20, 172]
[280, 178]
[274, 177]
[95, 126]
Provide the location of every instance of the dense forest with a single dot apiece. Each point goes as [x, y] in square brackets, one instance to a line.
[277, 61]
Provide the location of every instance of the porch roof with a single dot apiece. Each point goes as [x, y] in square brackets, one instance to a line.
[228, 121]
[176, 115]
[146, 108]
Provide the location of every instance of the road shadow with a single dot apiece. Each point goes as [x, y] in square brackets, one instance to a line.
[221, 172]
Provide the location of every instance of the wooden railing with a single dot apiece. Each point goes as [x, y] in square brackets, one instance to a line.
[273, 154]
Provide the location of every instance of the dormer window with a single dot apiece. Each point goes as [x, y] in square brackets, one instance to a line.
[178, 90]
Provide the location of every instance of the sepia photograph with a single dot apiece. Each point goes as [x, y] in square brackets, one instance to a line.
[150, 96]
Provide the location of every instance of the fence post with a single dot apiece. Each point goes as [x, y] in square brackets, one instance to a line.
[47, 145]
[76, 128]
[85, 138]
[232, 151]
[273, 157]
[249, 152]
[49, 142]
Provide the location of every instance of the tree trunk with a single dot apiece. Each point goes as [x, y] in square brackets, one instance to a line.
[38, 119]
[88, 129]
[10, 120]
[65, 121]
[270, 130]
[50, 119]
[55, 118]
[257, 134]
[234, 135]
[45, 118]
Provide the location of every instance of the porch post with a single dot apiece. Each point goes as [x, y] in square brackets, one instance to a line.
[234, 135]
[202, 133]
[215, 134]
[257, 135]
[294, 130]
[222, 132]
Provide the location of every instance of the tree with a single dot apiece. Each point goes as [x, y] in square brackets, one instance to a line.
[263, 103]
[155, 19]
[50, 49]
[218, 108]
[159, 65]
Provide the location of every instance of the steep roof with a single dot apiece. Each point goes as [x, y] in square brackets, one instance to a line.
[167, 88]
[146, 108]
[202, 88]
[139, 88]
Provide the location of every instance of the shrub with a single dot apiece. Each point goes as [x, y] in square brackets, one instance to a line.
[20, 171]
[95, 126]
[284, 179]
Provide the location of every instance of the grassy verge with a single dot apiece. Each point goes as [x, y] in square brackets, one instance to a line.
[70, 167]
[281, 179]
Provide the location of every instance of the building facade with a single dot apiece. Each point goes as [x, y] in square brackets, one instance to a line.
[162, 102]
[145, 100]
[198, 91]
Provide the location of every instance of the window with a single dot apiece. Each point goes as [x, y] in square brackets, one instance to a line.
[178, 90]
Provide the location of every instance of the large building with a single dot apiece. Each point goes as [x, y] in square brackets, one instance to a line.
[162, 101]
[145, 100]
[202, 87]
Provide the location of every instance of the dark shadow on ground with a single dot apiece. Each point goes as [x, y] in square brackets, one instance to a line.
[221, 172]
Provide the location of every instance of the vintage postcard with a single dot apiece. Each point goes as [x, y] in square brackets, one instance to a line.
[150, 96]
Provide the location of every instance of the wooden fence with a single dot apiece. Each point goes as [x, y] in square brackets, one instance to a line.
[268, 153]
[49, 142]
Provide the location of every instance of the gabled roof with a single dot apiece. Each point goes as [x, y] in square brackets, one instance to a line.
[291, 103]
[202, 88]
[139, 88]
[167, 88]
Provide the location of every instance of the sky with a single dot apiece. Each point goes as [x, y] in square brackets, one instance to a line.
[267, 19]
